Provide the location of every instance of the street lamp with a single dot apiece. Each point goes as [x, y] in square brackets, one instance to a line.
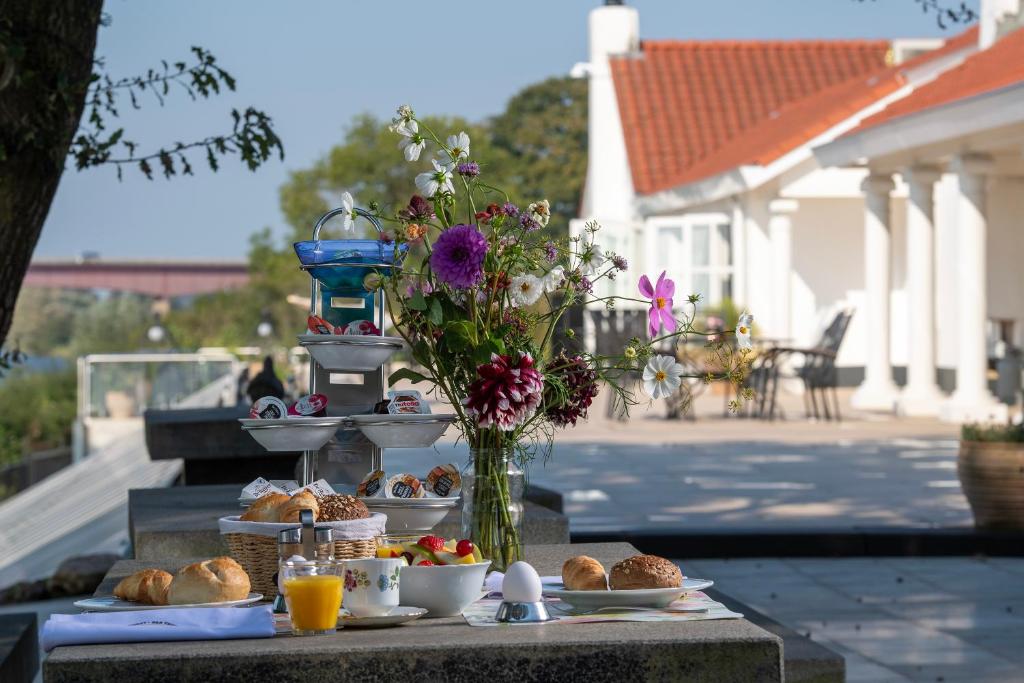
[265, 328]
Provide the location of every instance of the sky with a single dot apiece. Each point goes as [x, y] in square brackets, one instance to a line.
[313, 65]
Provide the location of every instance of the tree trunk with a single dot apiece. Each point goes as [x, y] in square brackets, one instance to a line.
[46, 58]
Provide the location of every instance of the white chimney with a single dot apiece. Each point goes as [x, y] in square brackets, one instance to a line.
[992, 14]
[614, 30]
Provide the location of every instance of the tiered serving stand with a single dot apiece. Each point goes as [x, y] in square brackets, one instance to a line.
[349, 371]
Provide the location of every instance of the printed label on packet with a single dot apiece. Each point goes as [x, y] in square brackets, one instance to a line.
[290, 486]
[320, 488]
[268, 408]
[372, 485]
[444, 481]
[259, 488]
[404, 486]
[407, 402]
[317, 325]
[308, 406]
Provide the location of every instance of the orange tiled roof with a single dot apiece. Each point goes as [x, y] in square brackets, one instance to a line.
[999, 66]
[693, 109]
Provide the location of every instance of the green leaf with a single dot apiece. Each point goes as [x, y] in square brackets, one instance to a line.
[436, 313]
[406, 373]
[417, 302]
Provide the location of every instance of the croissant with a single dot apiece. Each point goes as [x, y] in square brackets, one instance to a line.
[265, 508]
[302, 500]
[584, 573]
[148, 587]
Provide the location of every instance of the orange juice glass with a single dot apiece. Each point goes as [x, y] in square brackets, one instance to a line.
[312, 591]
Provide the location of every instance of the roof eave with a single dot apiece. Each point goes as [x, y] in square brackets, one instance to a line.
[977, 113]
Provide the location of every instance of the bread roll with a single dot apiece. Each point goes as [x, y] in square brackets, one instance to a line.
[645, 571]
[339, 508]
[265, 508]
[217, 580]
[148, 587]
[302, 500]
[584, 573]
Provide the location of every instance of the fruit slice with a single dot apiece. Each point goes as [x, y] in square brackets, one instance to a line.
[451, 545]
[424, 553]
[477, 555]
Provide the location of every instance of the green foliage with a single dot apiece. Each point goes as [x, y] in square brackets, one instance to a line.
[112, 325]
[36, 412]
[1007, 433]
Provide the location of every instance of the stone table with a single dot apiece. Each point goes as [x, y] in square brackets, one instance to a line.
[446, 649]
[181, 521]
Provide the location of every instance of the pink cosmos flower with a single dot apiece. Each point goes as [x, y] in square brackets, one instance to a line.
[660, 295]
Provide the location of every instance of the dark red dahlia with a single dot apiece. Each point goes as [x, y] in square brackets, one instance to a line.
[419, 209]
[581, 384]
[507, 392]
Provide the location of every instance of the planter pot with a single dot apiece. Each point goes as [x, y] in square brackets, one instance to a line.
[992, 477]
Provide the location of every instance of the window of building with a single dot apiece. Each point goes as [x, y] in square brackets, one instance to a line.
[697, 252]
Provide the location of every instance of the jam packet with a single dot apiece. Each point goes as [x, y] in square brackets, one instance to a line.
[268, 408]
[444, 481]
[360, 328]
[372, 485]
[404, 486]
[314, 405]
[318, 325]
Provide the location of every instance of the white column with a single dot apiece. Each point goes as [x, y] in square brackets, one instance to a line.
[739, 254]
[878, 391]
[780, 232]
[971, 400]
[921, 396]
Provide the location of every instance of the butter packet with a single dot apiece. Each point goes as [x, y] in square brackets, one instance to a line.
[407, 402]
[268, 408]
[372, 485]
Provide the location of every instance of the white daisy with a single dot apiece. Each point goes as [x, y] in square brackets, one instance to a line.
[525, 289]
[743, 331]
[662, 376]
[438, 180]
[554, 279]
[347, 218]
[540, 212]
[591, 259]
[412, 143]
[458, 148]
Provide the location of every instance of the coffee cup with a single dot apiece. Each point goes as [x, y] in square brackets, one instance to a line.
[371, 586]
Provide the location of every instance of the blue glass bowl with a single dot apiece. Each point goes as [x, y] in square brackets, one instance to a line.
[376, 254]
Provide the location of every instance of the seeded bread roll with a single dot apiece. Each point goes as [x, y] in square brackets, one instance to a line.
[339, 508]
[645, 571]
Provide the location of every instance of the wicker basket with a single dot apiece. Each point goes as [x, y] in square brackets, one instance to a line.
[257, 552]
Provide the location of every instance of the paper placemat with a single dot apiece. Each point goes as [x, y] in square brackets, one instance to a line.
[481, 613]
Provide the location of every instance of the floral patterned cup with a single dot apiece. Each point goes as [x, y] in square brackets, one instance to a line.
[371, 586]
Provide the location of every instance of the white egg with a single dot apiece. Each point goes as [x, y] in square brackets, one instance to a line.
[521, 584]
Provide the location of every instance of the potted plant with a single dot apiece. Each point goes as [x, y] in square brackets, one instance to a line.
[991, 469]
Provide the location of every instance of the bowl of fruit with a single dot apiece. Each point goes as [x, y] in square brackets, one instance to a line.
[443, 577]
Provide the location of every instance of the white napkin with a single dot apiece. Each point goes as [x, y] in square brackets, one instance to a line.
[214, 623]
[492, 584]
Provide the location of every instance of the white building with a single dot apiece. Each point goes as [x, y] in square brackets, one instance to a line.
[800, 178]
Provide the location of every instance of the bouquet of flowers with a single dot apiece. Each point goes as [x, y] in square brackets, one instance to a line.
[479, 300]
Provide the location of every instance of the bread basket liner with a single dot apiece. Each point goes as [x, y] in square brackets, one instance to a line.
[254, 545]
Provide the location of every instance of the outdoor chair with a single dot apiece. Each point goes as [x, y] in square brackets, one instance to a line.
[818, 373]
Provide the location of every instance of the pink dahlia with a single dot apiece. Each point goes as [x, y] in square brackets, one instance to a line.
[507, 392]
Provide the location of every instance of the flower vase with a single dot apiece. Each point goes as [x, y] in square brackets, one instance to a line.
[492, 505]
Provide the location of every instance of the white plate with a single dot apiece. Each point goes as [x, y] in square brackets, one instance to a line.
[411, 514]
[403, 431]
[398, 615]
[293, 433]
[350, 352]
[112, 604]
[644, 597]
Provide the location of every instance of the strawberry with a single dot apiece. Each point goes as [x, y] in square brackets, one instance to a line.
[464, 547]
[432, 543]
[425, 563]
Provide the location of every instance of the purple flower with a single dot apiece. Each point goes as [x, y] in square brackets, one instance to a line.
[550, 252]
[419, 209]
[529, 225]
[423, 286]
[584, 286]
[660, 313]
[510, 209]
[619, 262]
[458, 256]
[470, 169]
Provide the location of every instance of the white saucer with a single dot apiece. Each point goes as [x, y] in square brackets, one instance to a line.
[398, 615]
[644, 597]
[111, 604]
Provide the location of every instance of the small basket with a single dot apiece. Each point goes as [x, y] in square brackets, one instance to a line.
[254, 545]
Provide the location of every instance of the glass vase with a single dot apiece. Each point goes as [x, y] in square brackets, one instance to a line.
[492, 505]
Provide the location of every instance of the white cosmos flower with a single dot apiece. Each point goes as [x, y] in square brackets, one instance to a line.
[553, 280]
[743, 331]
[438, 180]
[540, 212]
[347, 203]
[412, 143]
[661, 376]
[525, 289]
[459, 146]
[591, 259]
